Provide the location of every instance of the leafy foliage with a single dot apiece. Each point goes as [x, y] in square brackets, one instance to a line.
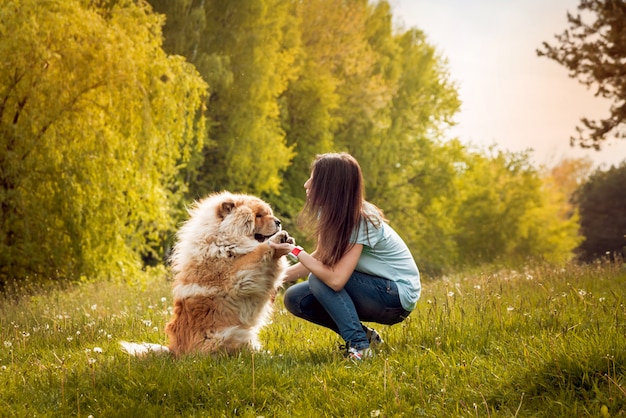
[595, 53]
[95, 121]
[508, 213]
[244, 50]
[602, 205]
[104, 141]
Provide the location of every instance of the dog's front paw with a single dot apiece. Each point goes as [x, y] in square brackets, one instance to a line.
[280, 237]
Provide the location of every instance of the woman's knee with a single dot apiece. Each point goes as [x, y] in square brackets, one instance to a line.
[294, 295]
[290, 300]
[316, 285]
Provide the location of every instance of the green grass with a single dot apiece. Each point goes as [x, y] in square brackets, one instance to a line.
[537, 343]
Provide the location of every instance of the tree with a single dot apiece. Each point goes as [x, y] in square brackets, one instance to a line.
[244, 50]
[95, 123]
[408, 171]
[595, 53]
[602, 205]
[506, 213]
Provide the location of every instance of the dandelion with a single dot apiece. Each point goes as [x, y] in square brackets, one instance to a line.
[477, 286]
[602, 299]
[155, 329]
[92, 361]
[375, 413]
[147, 322]
[450, 294]
[582, 292]
[3, 368]
[163, 299]
[94, 307]
[8, 344]
[97, 350]
[510, 309]
[69, 339]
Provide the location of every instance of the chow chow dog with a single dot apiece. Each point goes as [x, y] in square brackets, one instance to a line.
[226, 276]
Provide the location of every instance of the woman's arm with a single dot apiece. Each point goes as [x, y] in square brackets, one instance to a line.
[335, 277]
[295, 272]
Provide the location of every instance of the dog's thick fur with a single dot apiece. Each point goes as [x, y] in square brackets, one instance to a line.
[226, 275]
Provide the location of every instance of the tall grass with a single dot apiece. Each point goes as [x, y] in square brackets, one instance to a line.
[538, 342]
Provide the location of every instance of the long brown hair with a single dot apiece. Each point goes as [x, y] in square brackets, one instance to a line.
[334, 204]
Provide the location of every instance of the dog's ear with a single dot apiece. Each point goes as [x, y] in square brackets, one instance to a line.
[226, 207]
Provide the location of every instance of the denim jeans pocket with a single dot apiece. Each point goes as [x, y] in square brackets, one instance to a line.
[392, 288]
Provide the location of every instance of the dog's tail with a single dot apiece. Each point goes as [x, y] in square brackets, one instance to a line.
[141, 349]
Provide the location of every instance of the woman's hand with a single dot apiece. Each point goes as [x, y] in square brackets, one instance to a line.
[284, 247]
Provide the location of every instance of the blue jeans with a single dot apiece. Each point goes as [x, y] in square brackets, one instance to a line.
[363, 298]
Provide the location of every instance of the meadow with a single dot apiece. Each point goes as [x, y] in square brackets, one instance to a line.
[538, 342]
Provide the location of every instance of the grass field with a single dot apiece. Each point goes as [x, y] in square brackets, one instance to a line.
[534, 343]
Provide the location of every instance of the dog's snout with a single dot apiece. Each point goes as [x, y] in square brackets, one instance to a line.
[277, 222]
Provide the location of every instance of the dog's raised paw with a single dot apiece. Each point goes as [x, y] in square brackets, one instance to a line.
[280, 237]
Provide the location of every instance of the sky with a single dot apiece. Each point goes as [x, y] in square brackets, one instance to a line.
[511, 98]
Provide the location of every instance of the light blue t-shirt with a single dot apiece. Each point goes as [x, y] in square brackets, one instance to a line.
[386, 255]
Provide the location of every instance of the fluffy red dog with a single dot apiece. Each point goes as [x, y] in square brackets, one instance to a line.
[226, 276]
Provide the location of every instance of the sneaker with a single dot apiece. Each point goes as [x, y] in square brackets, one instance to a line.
[372, 336]
[358, 355]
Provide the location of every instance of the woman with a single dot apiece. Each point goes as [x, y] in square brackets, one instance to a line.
[361, 269]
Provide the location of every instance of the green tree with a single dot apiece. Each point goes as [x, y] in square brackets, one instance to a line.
[244, 50]
[397, 106]
[331, 39]
[602, 205]
[507, 213]
[95, 123]
[595, 52]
